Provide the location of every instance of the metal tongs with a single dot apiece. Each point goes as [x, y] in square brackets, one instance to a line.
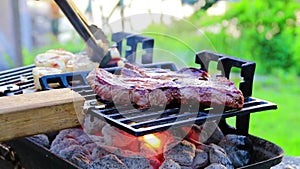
[89, 33]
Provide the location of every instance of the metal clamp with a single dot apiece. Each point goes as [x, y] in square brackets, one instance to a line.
[225, 63]
[132, 41]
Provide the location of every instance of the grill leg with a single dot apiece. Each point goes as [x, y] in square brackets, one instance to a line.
[242, 124]
[226, 129]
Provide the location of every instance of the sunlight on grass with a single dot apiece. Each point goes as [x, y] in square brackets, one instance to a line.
[279, 126]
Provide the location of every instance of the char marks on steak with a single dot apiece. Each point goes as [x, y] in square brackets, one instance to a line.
[146, 87]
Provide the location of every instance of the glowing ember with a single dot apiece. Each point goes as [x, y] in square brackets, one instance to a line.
[152, 140]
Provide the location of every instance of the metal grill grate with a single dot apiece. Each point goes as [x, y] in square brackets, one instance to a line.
[15, 81]
[141, 122]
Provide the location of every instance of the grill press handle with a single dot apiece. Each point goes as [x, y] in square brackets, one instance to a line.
[225, 63]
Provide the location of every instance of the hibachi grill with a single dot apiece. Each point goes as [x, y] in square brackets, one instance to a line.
[143, 131]
[122, 136]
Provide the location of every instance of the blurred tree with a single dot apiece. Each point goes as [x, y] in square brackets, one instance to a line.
[121, 6]
[208, 3]
[265, 31]
[89, 10]
[190, 2]
[55, 16]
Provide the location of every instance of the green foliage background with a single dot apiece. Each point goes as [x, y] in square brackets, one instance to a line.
[266, 32]
[269, 32]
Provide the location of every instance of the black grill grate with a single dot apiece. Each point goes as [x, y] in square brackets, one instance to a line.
[16, 81]
[142, 122]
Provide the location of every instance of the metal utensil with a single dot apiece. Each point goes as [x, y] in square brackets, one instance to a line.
[89, 33]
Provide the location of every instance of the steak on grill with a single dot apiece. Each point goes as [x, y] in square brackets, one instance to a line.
[146, 87]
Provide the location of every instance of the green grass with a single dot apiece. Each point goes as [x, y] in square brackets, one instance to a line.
[278, 126]
[282, 125]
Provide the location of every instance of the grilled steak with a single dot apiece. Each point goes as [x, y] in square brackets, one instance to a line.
[146, 87]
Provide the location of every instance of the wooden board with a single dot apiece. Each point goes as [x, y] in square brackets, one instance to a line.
[39, 112]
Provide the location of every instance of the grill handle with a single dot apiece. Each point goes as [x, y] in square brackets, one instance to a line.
[133, 40]
[225, 63]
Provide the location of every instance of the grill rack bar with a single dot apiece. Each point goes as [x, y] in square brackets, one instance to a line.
[11, 82]
[142, 124]
[13, 75]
